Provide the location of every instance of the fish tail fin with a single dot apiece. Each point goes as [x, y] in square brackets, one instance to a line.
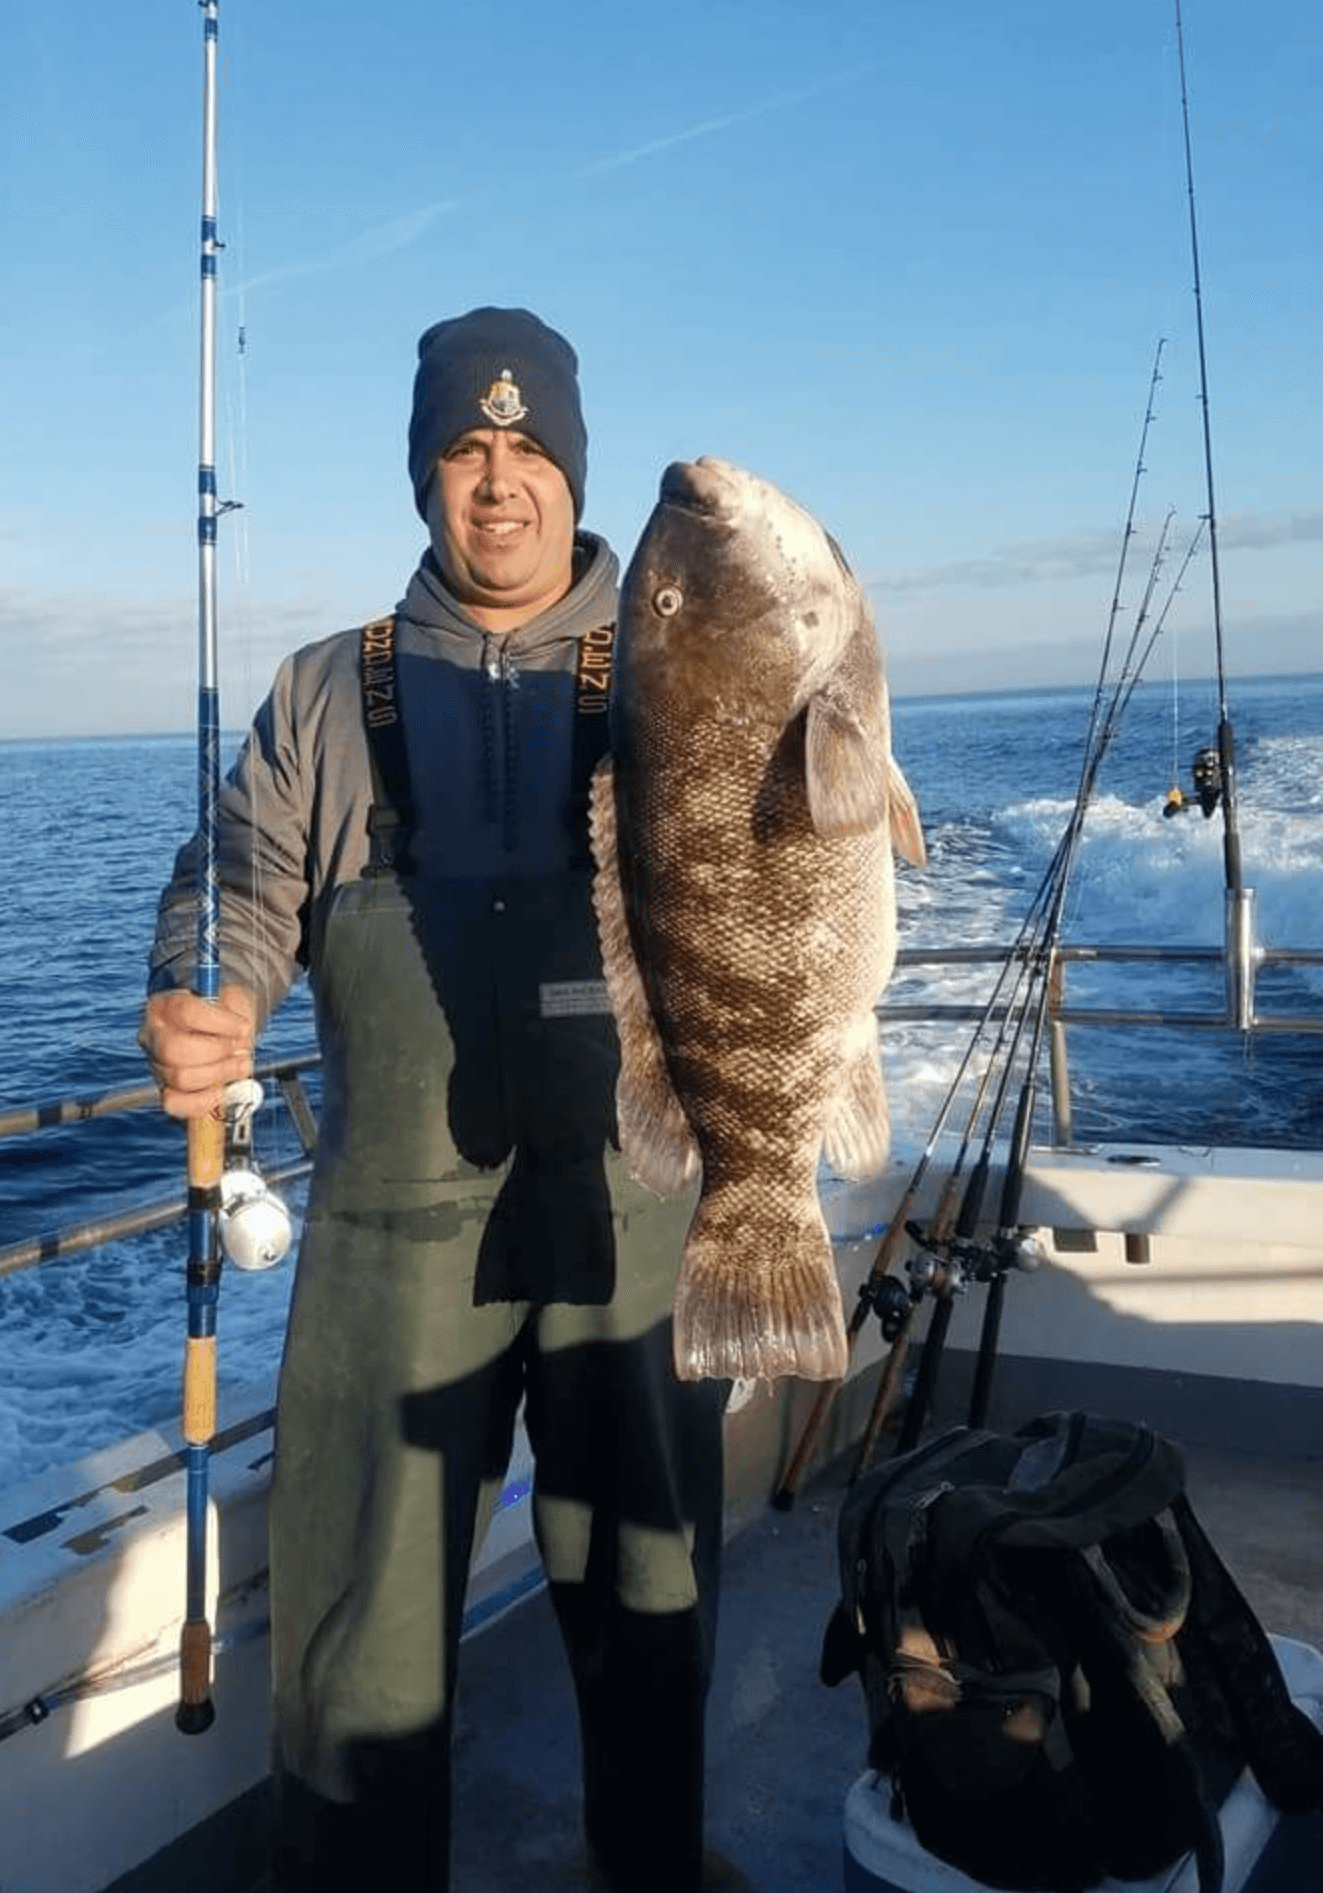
[758, 1299]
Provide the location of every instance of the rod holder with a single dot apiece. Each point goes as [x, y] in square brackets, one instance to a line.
[1243, 955]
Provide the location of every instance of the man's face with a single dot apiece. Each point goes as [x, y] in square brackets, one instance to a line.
[501, 517]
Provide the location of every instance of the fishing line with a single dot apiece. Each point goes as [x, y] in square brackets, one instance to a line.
[253, 1214]
[1175, 712]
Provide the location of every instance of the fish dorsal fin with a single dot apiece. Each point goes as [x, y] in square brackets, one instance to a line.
[656, 1140]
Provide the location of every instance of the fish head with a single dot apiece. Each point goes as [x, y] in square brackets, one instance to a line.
[732, 579]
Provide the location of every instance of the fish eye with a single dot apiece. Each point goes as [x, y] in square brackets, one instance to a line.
[667, 600]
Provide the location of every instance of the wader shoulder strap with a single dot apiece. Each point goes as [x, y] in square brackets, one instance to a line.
[592, 696]
[390, 823]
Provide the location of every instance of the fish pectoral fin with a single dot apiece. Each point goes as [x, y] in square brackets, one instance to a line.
[906, 828]
[857, 1139]
[846, 768]
[656, 1140]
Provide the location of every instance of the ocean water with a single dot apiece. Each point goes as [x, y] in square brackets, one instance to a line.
[90, 1346]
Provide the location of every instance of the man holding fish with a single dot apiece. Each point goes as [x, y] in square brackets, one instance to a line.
[408, 823]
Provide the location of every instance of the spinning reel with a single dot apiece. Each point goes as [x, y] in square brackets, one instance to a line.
[255, 1226]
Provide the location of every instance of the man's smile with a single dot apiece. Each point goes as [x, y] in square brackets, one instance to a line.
[499, 528]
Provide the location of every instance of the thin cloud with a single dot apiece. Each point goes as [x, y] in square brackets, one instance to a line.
[1256, 535]
[1027, 562]
[1030, 562]
[1265, 644]
[391, 235]
[369, 246]
[637, 153]
[398, 233]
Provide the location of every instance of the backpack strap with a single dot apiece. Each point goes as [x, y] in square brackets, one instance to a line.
[390, 821]
[1284, 1748]
[1140, 1637]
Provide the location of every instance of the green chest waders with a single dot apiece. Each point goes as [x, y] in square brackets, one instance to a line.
[471, 1240]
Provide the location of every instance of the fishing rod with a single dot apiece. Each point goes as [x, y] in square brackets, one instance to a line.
[1241, 947]
[932, 1270]
[933, 1266]
[233, 1213]
[206, 1135]
[1007, 1242]
[881, 1292]
[946, 1256]
[1010, 1246]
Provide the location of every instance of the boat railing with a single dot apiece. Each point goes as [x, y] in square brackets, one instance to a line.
[289, 1073]
[1239, 1013]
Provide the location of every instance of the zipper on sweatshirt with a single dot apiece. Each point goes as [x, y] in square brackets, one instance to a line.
[500, 748]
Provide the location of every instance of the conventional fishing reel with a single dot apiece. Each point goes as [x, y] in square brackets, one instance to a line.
[969, 1261]
[894, 1300]
[255, 1227]
[891, 1302]
[1206, 770]
[949, 1265]
[945, 1266]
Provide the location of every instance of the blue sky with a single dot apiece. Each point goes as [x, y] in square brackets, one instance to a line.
[911, 261]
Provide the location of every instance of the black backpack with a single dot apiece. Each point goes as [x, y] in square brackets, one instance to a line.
[1062, 1679]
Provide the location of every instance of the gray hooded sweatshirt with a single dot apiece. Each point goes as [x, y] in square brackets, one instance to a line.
[488, 725]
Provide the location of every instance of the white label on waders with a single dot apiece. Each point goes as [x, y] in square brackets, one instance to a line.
[574, 999]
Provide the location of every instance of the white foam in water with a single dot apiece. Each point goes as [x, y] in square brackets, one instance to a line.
[1139, 878]
[94, 1347]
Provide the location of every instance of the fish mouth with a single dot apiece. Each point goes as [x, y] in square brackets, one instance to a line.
[715, 488]
[725, 495]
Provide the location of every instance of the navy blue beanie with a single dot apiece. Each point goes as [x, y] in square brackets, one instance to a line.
[496, 368]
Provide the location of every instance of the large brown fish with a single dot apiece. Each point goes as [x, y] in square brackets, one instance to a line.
[745, 897]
